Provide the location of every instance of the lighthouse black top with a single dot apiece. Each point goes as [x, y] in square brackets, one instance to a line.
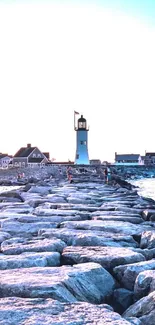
[82, 125]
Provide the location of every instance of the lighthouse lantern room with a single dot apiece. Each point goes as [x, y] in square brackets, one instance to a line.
[82, 157]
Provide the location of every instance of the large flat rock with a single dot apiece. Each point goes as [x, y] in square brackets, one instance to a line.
[123, 218]
[29, 260]
[108, 257]
[18, 311]
[75, 237]
[84, 282]
[19, 245]
[101, 212]
[40, 211]
[16, 227]
[121, 227]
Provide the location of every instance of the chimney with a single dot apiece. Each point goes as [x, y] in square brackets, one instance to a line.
[29, 145]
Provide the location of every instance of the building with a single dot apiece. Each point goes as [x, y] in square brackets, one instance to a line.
[81, 157]
[29, 157]
[128, 159]
[149, 158]
[5, 160]
[64, 163]
[95, 162]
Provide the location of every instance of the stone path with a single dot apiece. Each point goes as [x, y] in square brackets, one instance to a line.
[76, 254]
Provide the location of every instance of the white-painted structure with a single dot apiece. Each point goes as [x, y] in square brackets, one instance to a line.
[81, 157]
[4, 161]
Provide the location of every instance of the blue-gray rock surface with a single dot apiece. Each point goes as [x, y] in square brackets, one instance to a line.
[71, 253]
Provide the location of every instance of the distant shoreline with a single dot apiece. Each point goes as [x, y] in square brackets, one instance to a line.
[59, 171]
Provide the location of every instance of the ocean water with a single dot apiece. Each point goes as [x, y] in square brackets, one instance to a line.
[146, 187]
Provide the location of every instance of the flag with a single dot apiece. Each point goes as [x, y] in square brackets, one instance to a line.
[76, 112]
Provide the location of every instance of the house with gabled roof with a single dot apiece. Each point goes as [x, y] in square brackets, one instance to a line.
[128, 159]
[29, 157]
[149, 158]
[5, 159]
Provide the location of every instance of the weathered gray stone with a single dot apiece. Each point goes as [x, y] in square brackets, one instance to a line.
[23, 210]
[54, 208]
[41, 311]
[18, 246]
[146, 214]
[34, 202]
[55, 198]
[148, 239]
[126, 274]
[16, 227]
[5, 205]
[84, 282]
[4, 236]
[115, 227]
[122, 299]
[144, 284]
[76, 200]
[13, 195]
[148, 253]
[144, 309]
[75, 237]
[62, 214]
[42, 190]
[133, 220]
[29, 260]
[39, 211]
[134, 320]
[8, 216]
[10, 200]
[129, 210]
[103, 212]
[108, 257]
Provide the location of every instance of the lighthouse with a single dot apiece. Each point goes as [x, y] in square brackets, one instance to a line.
[81, 129]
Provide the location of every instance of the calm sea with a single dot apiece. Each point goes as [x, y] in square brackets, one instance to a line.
[146, 187]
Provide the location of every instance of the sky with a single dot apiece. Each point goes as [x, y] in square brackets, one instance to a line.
[95, 57]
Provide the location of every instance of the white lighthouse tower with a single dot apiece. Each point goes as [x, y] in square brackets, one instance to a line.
[81, 129]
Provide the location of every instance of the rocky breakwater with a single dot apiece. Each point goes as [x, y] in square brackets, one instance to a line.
[76, 254]
[134, 172]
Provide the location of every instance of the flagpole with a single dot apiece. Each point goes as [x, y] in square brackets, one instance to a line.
[75, 113]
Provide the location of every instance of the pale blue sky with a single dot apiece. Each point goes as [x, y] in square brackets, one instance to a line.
[95, 57]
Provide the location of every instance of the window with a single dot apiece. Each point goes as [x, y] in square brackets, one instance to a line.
[39, 155]
[82, 125]
[83, 142]
[77, 156]
[34, 155]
